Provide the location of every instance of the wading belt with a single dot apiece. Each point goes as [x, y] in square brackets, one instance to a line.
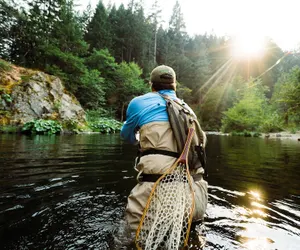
[153, 151]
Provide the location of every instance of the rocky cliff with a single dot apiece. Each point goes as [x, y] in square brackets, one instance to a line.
[26, 95]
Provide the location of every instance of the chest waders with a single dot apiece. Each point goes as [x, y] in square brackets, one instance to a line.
[168, 213]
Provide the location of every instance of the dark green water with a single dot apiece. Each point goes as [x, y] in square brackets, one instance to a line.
[69, 192]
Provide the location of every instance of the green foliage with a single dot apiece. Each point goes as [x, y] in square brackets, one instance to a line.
[98, 33]
[102, 61]
[91, 91]
[293, 130]
[42, 127]
[184, 93]
[286, 95]
[96, 114]
[8, 129]
[256, 134]
[249, 112]
[272, 123]
[57, 105]
[105, 125]
[72, 125]
[4, 66]
[245, 133]
[217, 99]
[5, 96]
[65, 65]
[99, 55]
[129, 84]
[129, 81]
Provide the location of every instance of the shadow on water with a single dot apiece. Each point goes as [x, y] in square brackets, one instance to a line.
[69, 192]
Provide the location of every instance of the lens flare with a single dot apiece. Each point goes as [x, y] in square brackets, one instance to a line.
[247, 46]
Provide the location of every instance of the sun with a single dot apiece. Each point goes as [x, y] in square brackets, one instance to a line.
[246, 46]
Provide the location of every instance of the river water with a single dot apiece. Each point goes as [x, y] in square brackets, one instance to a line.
[69, 192]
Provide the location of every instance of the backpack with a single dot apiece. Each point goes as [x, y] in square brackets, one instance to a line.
[181, 118]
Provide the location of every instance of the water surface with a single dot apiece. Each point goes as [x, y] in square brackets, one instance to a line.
[69, 192]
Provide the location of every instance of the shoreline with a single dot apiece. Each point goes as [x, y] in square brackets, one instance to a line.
[278, 135]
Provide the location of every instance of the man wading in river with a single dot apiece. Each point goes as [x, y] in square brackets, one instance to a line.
[163, 131]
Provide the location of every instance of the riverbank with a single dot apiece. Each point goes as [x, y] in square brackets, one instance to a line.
[93, 125]
[282, 135]
[278, 135]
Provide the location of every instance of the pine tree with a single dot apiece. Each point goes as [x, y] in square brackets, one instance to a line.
[65, 51]
[8, 17]
[177, 41]
[155, 20]
[120, 26]
[98, 34]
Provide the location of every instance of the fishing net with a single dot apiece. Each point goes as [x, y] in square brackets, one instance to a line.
[167, 217]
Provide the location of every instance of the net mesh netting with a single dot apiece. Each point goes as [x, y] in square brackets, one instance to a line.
[167, 217]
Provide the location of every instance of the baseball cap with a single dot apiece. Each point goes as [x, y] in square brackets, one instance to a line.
[163, 74]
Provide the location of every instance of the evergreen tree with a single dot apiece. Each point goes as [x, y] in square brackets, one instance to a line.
[129, 84]
[31, 31]
[102, 61]
[177, 42]
[162, 42]
[8, 17]
[65, 51]
[197, 68]
[155, 20]
[120, 26]
[98, 34]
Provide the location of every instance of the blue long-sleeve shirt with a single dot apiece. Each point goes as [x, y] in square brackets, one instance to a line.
[144, 109]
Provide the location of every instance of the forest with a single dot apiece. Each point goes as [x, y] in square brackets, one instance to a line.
[104, 57]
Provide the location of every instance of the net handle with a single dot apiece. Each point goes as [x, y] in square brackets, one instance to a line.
[183, 159]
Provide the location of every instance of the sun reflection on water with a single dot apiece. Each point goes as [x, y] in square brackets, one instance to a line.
[258, 243]
[256, 204]
[259, 213]
[250, 236]
[255, 194]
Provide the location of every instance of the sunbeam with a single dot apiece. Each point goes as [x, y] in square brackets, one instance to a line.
[215, 74]
[225, 89]
[216, 82]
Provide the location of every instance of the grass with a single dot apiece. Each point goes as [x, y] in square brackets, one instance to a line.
[9, 129]
[4, 66]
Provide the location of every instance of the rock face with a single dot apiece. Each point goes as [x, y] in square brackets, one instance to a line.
[42, 96]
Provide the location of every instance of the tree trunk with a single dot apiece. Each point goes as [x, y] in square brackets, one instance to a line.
[122, 111]
[155, 46]
[286, 118]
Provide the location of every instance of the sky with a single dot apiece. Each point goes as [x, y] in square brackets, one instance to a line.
[253, 19]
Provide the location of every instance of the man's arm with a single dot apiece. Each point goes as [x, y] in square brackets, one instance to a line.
[130, 126]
